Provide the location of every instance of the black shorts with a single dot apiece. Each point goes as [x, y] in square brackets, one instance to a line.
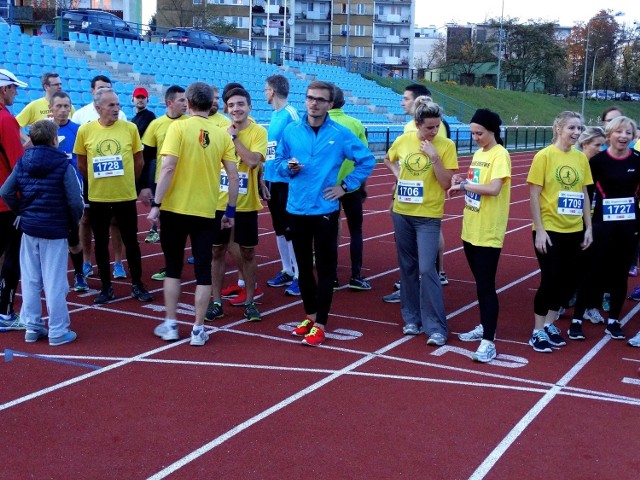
[245, 230]
[278, 208]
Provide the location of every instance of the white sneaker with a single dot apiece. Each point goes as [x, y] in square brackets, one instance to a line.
[635, 341]
[485, 353]
[593, 315]
[436, 339]
[199, 339]
[166, 332]
[473, 335]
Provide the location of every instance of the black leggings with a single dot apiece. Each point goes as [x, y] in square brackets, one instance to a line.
[126, 216]
[483, 262]
[278, 207]
[614, 245]
[352, 206]
[175, 229]
[319, 234]
[558, 272]
[10, 247]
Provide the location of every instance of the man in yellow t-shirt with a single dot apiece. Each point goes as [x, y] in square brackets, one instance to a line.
[152, 140]
[39, 109]
[194, 152]
[109, 155]
[250, 141]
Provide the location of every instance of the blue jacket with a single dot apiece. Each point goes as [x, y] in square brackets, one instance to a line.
[321, 156]
[44, 190]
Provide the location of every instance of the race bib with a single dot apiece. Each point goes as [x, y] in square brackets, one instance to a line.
[410, 191]
[109, 166]
[472, 200]
[616, 209]
[244, 182]
[570, 203]
[271, 150]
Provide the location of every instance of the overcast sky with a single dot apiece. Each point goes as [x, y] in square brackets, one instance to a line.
[567, 13]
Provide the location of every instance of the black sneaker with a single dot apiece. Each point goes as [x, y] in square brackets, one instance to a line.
[251, 312]
[106, 295]
[140, 293]
[214, 311]
[575, 331]
[540, 342]
[615, 330]
[359, 283]
[555, 339]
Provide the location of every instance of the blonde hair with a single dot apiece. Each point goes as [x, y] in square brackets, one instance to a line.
[589, 135]
[618, 122]
[561, 120]
[425, 108]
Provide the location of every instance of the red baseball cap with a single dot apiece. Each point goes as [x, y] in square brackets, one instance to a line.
[140, 92]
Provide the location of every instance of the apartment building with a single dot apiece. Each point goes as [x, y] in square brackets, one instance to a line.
[379, 31]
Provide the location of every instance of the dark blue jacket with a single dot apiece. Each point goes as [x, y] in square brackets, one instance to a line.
[43, 189]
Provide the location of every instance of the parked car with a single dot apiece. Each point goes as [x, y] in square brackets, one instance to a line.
[47, 30]
[99, 22]
[602, 95]
[196, 38]
[635, 97]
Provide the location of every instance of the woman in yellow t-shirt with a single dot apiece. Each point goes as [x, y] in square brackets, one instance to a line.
[561, 213]
[423, 163]
[487, 188]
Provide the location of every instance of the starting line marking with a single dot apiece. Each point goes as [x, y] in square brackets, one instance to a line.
[8, 357]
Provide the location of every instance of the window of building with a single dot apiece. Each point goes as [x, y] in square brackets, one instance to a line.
[361, 9]
[360, 30]
[358, 51]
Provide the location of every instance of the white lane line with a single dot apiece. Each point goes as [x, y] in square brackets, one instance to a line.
[531, 415]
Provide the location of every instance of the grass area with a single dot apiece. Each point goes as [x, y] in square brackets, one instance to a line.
[515, 108]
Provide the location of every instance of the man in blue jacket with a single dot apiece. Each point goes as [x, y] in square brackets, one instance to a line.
[44, 190]
[311, 152]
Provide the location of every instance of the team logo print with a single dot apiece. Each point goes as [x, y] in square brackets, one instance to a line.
[108, 147]
[204, 138]
[417, 163]
[567, 176]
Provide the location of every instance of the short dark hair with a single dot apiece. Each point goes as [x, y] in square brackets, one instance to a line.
[417, 90]
[319, 85]
[43, 132]
[338, 98]
[280, 85]
[612, 108]
[170, 94]
[100, 78]
[231, 86]
[200, 96]
[45, 78]
[59, 95]
[237, 91]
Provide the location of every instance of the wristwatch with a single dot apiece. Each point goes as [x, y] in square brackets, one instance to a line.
[344, 187]
[154, 204]
[233, 136]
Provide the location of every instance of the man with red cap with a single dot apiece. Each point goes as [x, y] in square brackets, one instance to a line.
[143, 116]
[10, 150]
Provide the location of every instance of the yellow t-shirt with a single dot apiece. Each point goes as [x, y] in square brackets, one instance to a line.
[418, 192]
[254, 138]
[562, 175]
[411, 127]
[201, 148]
[220, 120]
[485, 216]
[154, 136]
[109, 151]
[37, 110]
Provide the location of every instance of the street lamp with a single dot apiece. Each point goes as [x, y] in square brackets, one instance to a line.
[593, 71]
[586, 56]
[500, 47]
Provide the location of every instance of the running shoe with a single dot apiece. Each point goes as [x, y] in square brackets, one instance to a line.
[167, 332]
[80, 283]
[214, 311]
[615, 330]
[199, 337]
[191, 260]
[232, 291]
[314, 338]
[303, 328]
[392, 297]
[540, 342]
[411, 329]
[633, 271]
[635, 295]
[293, 289]
[443, 278]
[575, 331]
[472, 336]
[11, 322]
[555, 339]
[87, 269]
[282, 279]
[160, 276]
[359, 283]
[436, 339]
[152, 237]
[118, 270]
[593, 315]
[485, 352]
[32, 336]
[140, 293]
[106, 295]
[635, 341]
[68, 337]
[251, 312]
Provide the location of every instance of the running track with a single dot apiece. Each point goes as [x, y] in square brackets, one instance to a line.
[370, 403]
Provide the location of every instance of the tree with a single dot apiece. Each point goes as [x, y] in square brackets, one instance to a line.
[183, 13]
[46, 10]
